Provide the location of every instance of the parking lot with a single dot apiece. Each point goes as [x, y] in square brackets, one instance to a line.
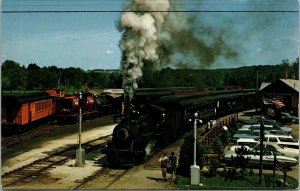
[294, 172]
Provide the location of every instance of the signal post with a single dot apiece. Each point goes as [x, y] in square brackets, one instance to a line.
[80, 153]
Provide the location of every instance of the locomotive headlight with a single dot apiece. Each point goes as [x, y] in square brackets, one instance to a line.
[76, 103]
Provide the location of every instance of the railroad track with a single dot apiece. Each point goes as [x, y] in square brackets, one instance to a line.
[107, 175]
[38, 167]
[7, 142]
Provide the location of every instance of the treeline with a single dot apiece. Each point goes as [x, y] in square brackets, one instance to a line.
[245, 77]
[32, 77]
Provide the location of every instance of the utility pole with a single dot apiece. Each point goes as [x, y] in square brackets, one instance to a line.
[256, 68]
[59, 77]
[262, 127]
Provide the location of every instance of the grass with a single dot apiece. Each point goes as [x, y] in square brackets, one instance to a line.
[249, 183]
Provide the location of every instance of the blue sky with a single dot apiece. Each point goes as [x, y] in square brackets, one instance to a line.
[89, 40]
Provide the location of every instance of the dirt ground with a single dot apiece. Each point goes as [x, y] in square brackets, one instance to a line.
[145, 176]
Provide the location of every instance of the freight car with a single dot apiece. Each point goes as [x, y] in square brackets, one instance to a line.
[19, 112]
[156, 123]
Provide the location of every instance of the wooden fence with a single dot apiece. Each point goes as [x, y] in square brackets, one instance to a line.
[216, 131]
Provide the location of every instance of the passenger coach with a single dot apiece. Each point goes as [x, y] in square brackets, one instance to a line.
[19, 111]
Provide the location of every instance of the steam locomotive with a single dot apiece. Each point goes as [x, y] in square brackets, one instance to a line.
[156, 118]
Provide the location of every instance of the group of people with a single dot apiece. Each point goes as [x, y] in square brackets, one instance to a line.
[164, 161]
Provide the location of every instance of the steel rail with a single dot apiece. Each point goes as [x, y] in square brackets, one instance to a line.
[43, 164]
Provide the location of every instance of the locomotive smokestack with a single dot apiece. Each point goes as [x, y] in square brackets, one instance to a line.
[127, 102]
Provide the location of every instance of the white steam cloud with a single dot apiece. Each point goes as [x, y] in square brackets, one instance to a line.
[139, 41]
[154, 32]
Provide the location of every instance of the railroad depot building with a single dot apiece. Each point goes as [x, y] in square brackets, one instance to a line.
[285, 90]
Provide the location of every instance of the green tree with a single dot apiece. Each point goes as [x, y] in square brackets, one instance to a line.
[75, 76]
[241, 161]
[5, 82]
[48, 78]
[166, 78]
[115, 80]
[285, 68]
[33, 76]
[186, 158]
[14, 74]
[295, 69]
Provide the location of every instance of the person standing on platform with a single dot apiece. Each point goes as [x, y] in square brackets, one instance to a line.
[163, 165]
[173, 164]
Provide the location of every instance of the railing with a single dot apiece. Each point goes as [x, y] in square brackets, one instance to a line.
[211, 135]
[282, 167]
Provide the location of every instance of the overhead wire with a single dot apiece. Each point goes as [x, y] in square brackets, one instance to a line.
[289, 6]
[205, 11]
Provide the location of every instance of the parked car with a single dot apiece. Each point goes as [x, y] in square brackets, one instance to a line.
[285, 129]
[251, 122]
[246, 142]
[274, 129]
[257, 120]
[255, 134]
[275, 148]
[243, 131]
[282, 140]
[268, 158]
[287, 118]
[234, 147]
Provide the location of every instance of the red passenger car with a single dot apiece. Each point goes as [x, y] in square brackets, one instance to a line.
[20, 111]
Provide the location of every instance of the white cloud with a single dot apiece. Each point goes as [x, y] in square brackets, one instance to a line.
[109, 52]
[258, 49]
